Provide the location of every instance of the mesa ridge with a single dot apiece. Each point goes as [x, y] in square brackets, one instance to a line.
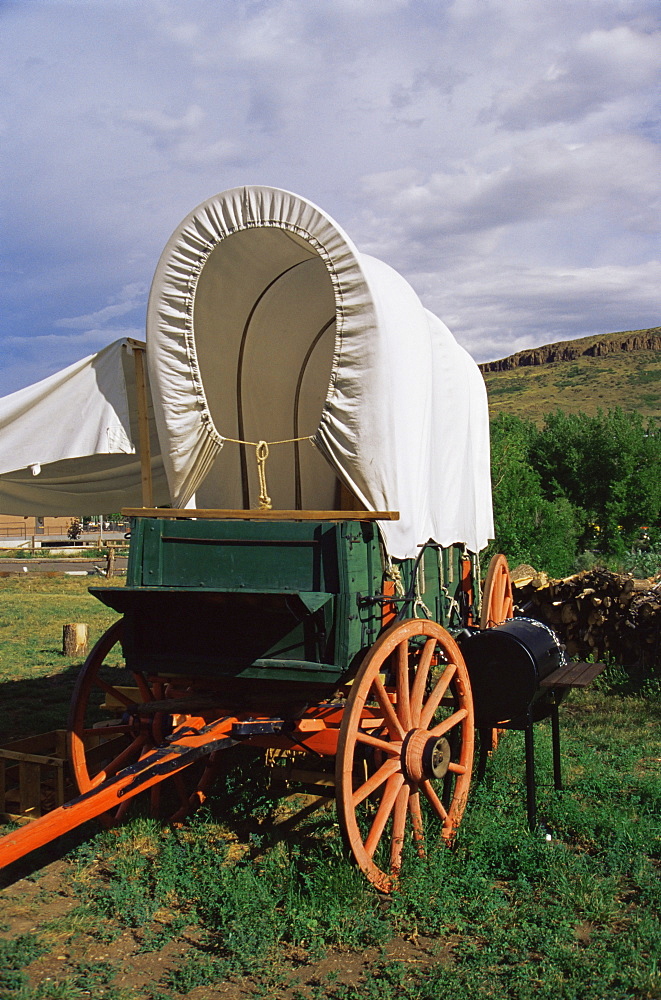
[569, 350]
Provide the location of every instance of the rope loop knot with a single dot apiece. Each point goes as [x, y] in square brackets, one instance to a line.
[262, 453]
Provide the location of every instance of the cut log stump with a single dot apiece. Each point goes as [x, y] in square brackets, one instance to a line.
[75, 639]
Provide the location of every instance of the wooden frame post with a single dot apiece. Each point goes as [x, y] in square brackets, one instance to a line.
[143, 427]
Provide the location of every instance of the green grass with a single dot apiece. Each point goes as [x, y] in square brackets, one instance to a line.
[231, 898]
[512, 913]
[15, 955]
[509, 913]
[36, 680]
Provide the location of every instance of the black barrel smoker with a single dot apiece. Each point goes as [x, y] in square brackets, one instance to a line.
[519, 675]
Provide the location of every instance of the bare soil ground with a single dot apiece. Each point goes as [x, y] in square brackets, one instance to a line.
[44, 903]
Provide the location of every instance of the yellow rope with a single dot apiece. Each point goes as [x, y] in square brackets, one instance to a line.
[395, 575]
[262, 453]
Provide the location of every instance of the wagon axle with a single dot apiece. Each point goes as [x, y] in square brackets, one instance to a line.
[424, 757]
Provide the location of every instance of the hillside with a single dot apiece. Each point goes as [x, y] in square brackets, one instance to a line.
[588, 374]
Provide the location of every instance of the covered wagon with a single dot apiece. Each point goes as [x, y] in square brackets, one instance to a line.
[326, 446]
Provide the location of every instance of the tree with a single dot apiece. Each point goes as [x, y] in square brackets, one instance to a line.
[608, 466]
[529, 526]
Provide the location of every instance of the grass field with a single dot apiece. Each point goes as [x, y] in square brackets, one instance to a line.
[631, 381]
[35, 679]
[238, 903]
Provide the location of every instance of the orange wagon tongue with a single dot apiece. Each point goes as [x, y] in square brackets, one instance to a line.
[166, 760]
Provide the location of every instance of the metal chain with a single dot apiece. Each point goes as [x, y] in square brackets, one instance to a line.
[560, 648]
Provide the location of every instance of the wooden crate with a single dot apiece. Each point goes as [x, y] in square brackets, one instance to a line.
[34, 771]
[34, 775]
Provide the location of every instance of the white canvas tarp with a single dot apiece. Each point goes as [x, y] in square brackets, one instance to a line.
[68, 443]
[265, 323]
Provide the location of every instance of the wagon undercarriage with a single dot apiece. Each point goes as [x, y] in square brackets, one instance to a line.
[399, 739]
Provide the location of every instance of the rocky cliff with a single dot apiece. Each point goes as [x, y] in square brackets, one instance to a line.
[568, 350]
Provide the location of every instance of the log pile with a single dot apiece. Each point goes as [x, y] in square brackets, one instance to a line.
[596, 613]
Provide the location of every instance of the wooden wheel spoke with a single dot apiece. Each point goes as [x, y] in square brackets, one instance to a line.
[394, 726]
[433, 799]
[403, 692]
[386, 806]
[182, 790]
[188, 800]
[393, 749]
[120, 813]
[417, 824]
[399, 827]
[449, 723]
[385, 772]
[497, 606]
[146, 692]
[497, 598]
[122, 760]
[420, 681]
[498, 591]
[434, 699]
[154, 801]
[457, 768]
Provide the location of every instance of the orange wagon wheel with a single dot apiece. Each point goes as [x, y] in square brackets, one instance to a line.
[100, 747]
[405, 749]
[497, 598]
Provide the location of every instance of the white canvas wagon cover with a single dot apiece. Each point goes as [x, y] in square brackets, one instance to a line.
[68, 444]
[265, 324]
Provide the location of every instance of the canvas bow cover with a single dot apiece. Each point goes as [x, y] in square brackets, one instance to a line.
[265, 323]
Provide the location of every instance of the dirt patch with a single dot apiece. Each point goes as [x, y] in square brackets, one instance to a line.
[102, 958]
[28, 904]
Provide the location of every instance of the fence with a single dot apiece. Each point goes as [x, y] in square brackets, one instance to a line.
[26, 529]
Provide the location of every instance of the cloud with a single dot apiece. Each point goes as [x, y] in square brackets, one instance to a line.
[541, 305]
[158, 123]
[545, 181]
[504, 157]
[90, 340]
[130, 298]
[42, 355]
[601, 67]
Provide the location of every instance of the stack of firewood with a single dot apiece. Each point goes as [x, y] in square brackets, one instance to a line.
[596, 613]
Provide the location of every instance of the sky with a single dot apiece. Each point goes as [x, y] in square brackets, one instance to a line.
[503, 155]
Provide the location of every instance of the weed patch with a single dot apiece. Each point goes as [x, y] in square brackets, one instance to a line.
[14, 957]
[573, 916]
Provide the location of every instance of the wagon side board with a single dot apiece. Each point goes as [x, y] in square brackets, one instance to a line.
[262, 600]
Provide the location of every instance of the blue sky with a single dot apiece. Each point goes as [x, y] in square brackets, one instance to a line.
[502, 154]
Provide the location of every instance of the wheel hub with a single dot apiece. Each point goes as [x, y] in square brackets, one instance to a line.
[424, 756]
